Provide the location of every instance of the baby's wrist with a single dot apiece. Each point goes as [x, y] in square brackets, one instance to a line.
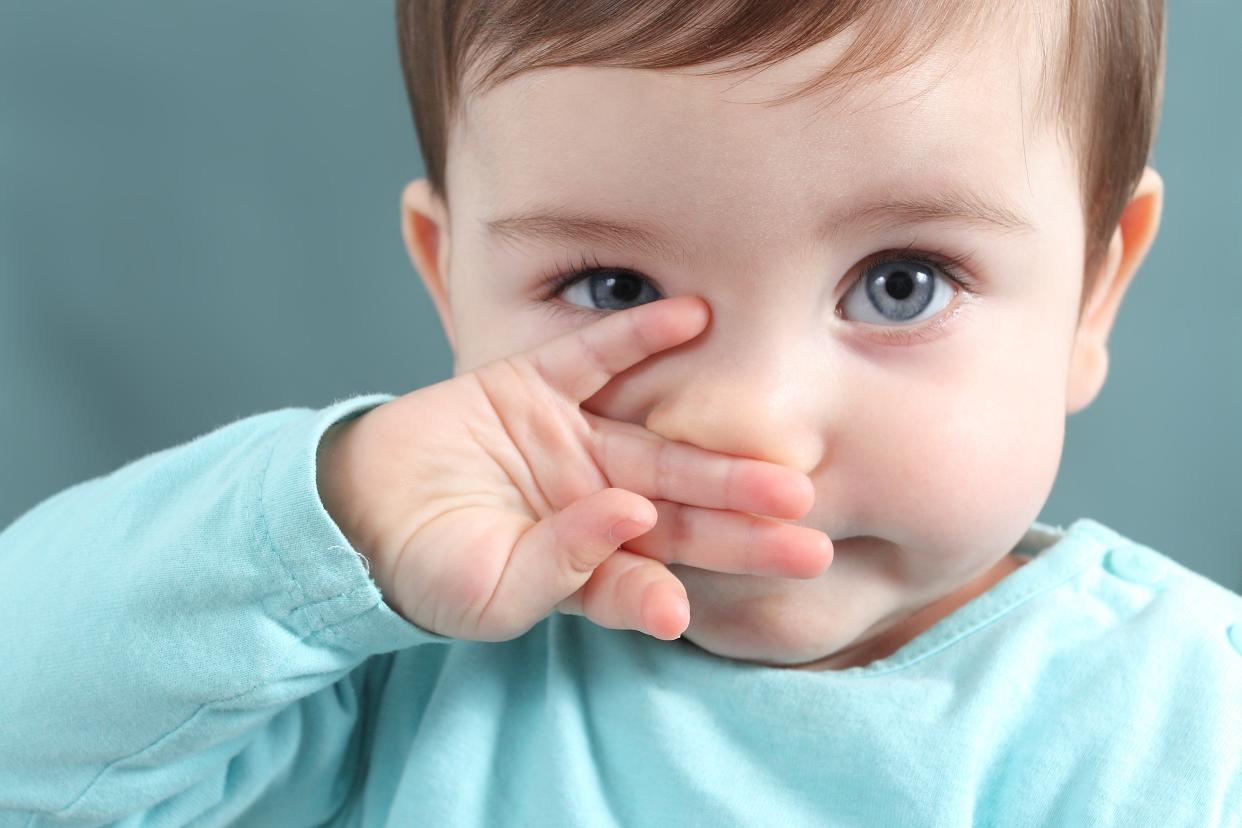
[333, 481]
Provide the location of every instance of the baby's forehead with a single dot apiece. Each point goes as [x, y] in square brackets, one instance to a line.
[710, 157]
[1009, 50]
[944, 115]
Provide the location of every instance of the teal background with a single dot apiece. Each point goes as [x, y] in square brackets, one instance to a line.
[199, 222]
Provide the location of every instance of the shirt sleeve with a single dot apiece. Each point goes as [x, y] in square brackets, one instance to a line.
[183, 636]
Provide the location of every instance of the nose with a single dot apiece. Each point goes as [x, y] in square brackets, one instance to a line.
[760, 405]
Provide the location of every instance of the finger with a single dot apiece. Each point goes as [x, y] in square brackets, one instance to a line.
[633, 592]
[555, 556]
[733, 542]
[638, 459]
[579, 363]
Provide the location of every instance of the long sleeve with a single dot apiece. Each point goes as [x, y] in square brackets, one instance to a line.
[187, 638]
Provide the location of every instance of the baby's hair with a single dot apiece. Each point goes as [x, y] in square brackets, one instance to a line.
[1108, 81]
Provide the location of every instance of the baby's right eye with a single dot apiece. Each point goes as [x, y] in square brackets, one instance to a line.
[605, 289]
[596, 287]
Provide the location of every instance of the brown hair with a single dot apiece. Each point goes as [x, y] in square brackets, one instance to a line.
[1108, 82]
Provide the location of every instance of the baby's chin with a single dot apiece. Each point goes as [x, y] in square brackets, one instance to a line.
[788, 622]
[866, 606]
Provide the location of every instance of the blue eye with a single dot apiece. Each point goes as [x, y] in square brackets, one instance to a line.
[894, 288]
[609, 289]
[897, 290]
[596, 287]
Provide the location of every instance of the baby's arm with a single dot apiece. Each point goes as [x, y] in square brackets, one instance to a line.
[179, 639]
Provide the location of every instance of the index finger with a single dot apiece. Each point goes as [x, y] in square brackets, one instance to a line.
[579, 363]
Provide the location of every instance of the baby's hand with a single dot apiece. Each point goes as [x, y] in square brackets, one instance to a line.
[485, 501]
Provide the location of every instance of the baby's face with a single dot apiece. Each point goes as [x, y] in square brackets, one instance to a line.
[928, 413]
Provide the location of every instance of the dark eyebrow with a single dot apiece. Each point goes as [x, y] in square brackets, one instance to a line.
[956, 206]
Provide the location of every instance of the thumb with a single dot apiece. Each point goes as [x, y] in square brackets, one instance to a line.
[557, 555]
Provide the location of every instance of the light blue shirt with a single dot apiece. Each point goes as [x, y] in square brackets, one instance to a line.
[191, 640]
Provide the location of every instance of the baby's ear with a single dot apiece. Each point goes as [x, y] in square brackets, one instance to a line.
[1136, 230]
[424, 226]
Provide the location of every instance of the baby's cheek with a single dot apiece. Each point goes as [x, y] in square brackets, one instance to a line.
[1004, 462]
[968, 474]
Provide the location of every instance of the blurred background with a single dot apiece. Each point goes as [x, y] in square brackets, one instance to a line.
[199, 222]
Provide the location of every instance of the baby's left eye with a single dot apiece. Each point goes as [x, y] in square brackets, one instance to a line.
[900, 289]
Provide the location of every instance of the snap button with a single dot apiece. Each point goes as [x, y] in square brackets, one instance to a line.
[1235, 637]
[1135, 564]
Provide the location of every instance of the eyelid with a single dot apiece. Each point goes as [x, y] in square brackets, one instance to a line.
[958, 268]
[915, 334]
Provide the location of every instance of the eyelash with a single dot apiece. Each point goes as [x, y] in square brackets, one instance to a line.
[957, 268]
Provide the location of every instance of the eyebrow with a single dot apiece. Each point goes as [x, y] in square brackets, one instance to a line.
[958, 206]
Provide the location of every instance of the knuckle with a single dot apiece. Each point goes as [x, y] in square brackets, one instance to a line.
[663, 461]
[578, 550]
[731, 471]
[636, 331]
[592, 352]
[631, 582]
[679, 531]
[754, 548]
[582, 558]
[535, 360]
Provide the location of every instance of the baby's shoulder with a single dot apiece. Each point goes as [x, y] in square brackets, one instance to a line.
[1137, 670]
[1172, 606]
[1180, 583]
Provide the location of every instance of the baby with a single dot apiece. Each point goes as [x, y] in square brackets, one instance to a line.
[766, 319]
